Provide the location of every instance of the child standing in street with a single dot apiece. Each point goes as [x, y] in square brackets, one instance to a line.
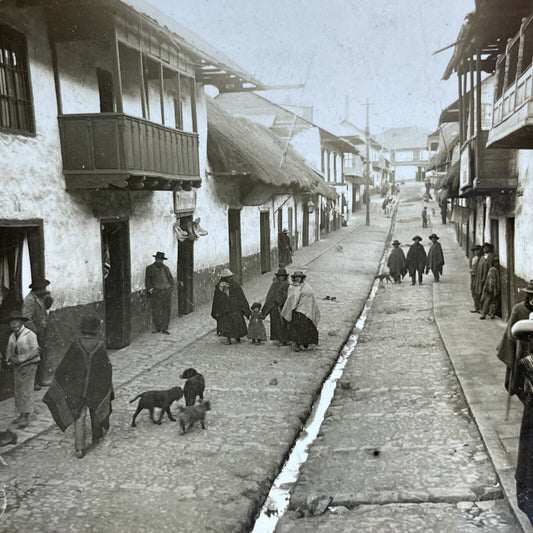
[256, 328]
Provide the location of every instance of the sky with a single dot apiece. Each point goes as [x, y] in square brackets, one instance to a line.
[380, 50]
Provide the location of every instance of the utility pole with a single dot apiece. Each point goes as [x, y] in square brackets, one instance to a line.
[367, 164]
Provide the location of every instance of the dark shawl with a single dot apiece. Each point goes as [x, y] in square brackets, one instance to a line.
[83, 378]
[284, 248]
[435, 260]
[507, 348]
[483, 266]
[416, 258]
[229, 310]
[277, 294]
[396, 262]
[492, 285]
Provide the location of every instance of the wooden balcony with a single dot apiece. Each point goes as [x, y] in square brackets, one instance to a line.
[114, 150]
[498, 169]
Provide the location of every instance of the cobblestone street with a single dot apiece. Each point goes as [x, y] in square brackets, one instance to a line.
[399, 449]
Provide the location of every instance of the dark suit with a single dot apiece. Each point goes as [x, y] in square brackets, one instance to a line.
[159, 284]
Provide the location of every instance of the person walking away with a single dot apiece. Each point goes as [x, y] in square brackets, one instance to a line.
[284, 248]
[425, 217]
[435, 259]
[490, 297]
[23, 353]
[396, 262]
[416, 260]
[301, 312]
[159, 285]
[473, 263]
[274, 302]
[83, 382]
[229, 308]
[35, 308]
[483, 265]
[443, 211]
[256, 328]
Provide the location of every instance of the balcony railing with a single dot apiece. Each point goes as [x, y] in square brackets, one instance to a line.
[116, 150]
[512, 120]
[497, 170]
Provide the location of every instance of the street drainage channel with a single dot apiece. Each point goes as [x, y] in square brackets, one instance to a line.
[278, 498]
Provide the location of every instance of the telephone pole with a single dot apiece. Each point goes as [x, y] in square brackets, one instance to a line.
[367, 163]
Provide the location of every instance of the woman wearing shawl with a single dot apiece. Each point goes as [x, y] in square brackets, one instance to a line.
[83, 381]
[277, 294]
[490, 298]
[302, 313]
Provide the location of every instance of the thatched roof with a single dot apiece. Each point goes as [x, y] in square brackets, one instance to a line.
[238, 146]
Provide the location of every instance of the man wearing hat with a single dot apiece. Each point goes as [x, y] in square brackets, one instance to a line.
[483, 265]
[284, 248]
[275, 300]
[35, 309]
[229, 308]
[83, 381]
[478, 252]
[416, 260]
[23, 353]
[159, 284]
[435, 260]
[396, 262]
[490, 298]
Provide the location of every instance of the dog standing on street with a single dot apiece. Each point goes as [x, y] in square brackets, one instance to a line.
[162, 399]
[191, 414]
[383, 277]
[194, 386]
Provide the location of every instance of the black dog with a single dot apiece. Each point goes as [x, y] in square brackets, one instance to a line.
[161, 399]
[383, 277]
[194, 386]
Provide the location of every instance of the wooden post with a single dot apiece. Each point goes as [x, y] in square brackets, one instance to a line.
[193, 105]
[161, 93]
[118, 75]
[461, 110]
[479, 136]
[472, 104]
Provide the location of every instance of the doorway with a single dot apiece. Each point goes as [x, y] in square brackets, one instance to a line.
[305, 226]
[264, 228]
[511, 286]
[280, 220]
[235, 251]
[117, 282]
[105, 91]
[494, 235]
[185, 271]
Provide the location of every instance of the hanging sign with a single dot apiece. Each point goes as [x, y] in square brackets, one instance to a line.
[184, 201]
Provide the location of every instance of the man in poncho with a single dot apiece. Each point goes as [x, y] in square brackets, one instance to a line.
[396, 262]
[83, 381]
[478, 252]
[483, 266]
[435, 259]
[284, 248]
[302, 313]
[275, 300]
[416, 260]
[229, 308]
[490, 298]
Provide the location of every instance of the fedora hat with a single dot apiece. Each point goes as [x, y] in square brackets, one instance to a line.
[89, 324]
[528, 288]
[488, 245]
[433, 236]
[281, 272]
[17, 315]
[396, 241]
[160, 255]
[298, 274]
[284, 230]
[475, 248]
[417, 237]
[226, 273]
[39, 283]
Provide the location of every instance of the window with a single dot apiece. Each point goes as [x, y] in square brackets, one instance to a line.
[404, 156]
[16, 109]
[348, 160]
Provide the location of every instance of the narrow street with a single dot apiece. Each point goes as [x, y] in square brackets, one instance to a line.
[399, 450]
[150, 478]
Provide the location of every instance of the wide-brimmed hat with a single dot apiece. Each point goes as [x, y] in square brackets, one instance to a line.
[417, 237]
[528, 288]
[298, 274]
[89, 324]
[285, 230]
[488, 245]
[281, 272]
[433, 236]
[475, 248]
[226, 273]
[17, 315]
[396, 241]
[160, 255]
[39, 283]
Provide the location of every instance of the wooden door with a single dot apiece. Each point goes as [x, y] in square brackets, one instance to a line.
[117, 282]
[296, 242]
[305, 226]
[495, 235]
[264, 229]
[235, 251]
[511, 289]
[290, 223]
[280, 220]
[185, 272]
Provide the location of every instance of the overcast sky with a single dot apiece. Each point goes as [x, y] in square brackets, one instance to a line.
[376, 49]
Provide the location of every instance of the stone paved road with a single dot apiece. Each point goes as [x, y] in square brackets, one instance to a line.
[152, 479]
[398, 450]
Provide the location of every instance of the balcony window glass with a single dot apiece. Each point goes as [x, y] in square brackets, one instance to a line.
[512, 59]
[16, 108]
[348, 160]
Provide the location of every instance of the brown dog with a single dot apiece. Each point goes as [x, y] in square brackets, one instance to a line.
[161, 399]
[194, 386]
[189, 415]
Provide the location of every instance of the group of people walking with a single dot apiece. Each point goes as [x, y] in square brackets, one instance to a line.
[417, 261]
[292, 307]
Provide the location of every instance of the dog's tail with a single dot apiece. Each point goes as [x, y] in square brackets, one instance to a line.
[136, 397]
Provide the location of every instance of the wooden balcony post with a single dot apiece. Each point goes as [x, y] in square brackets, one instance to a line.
[465, 108]
[521, 47]
[507, 66]
[479, 137]
[472, 104]
[460, 102]
[193, 105]
[162, 92]
[116, 66]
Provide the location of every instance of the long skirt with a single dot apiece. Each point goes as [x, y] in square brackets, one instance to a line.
[524, 467]
[302, 331]
[24, 383]
[232, 325]
[279, 330]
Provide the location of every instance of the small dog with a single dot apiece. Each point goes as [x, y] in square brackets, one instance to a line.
[383, 277]
[194, 386]
[189, 415]
[161, 399]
